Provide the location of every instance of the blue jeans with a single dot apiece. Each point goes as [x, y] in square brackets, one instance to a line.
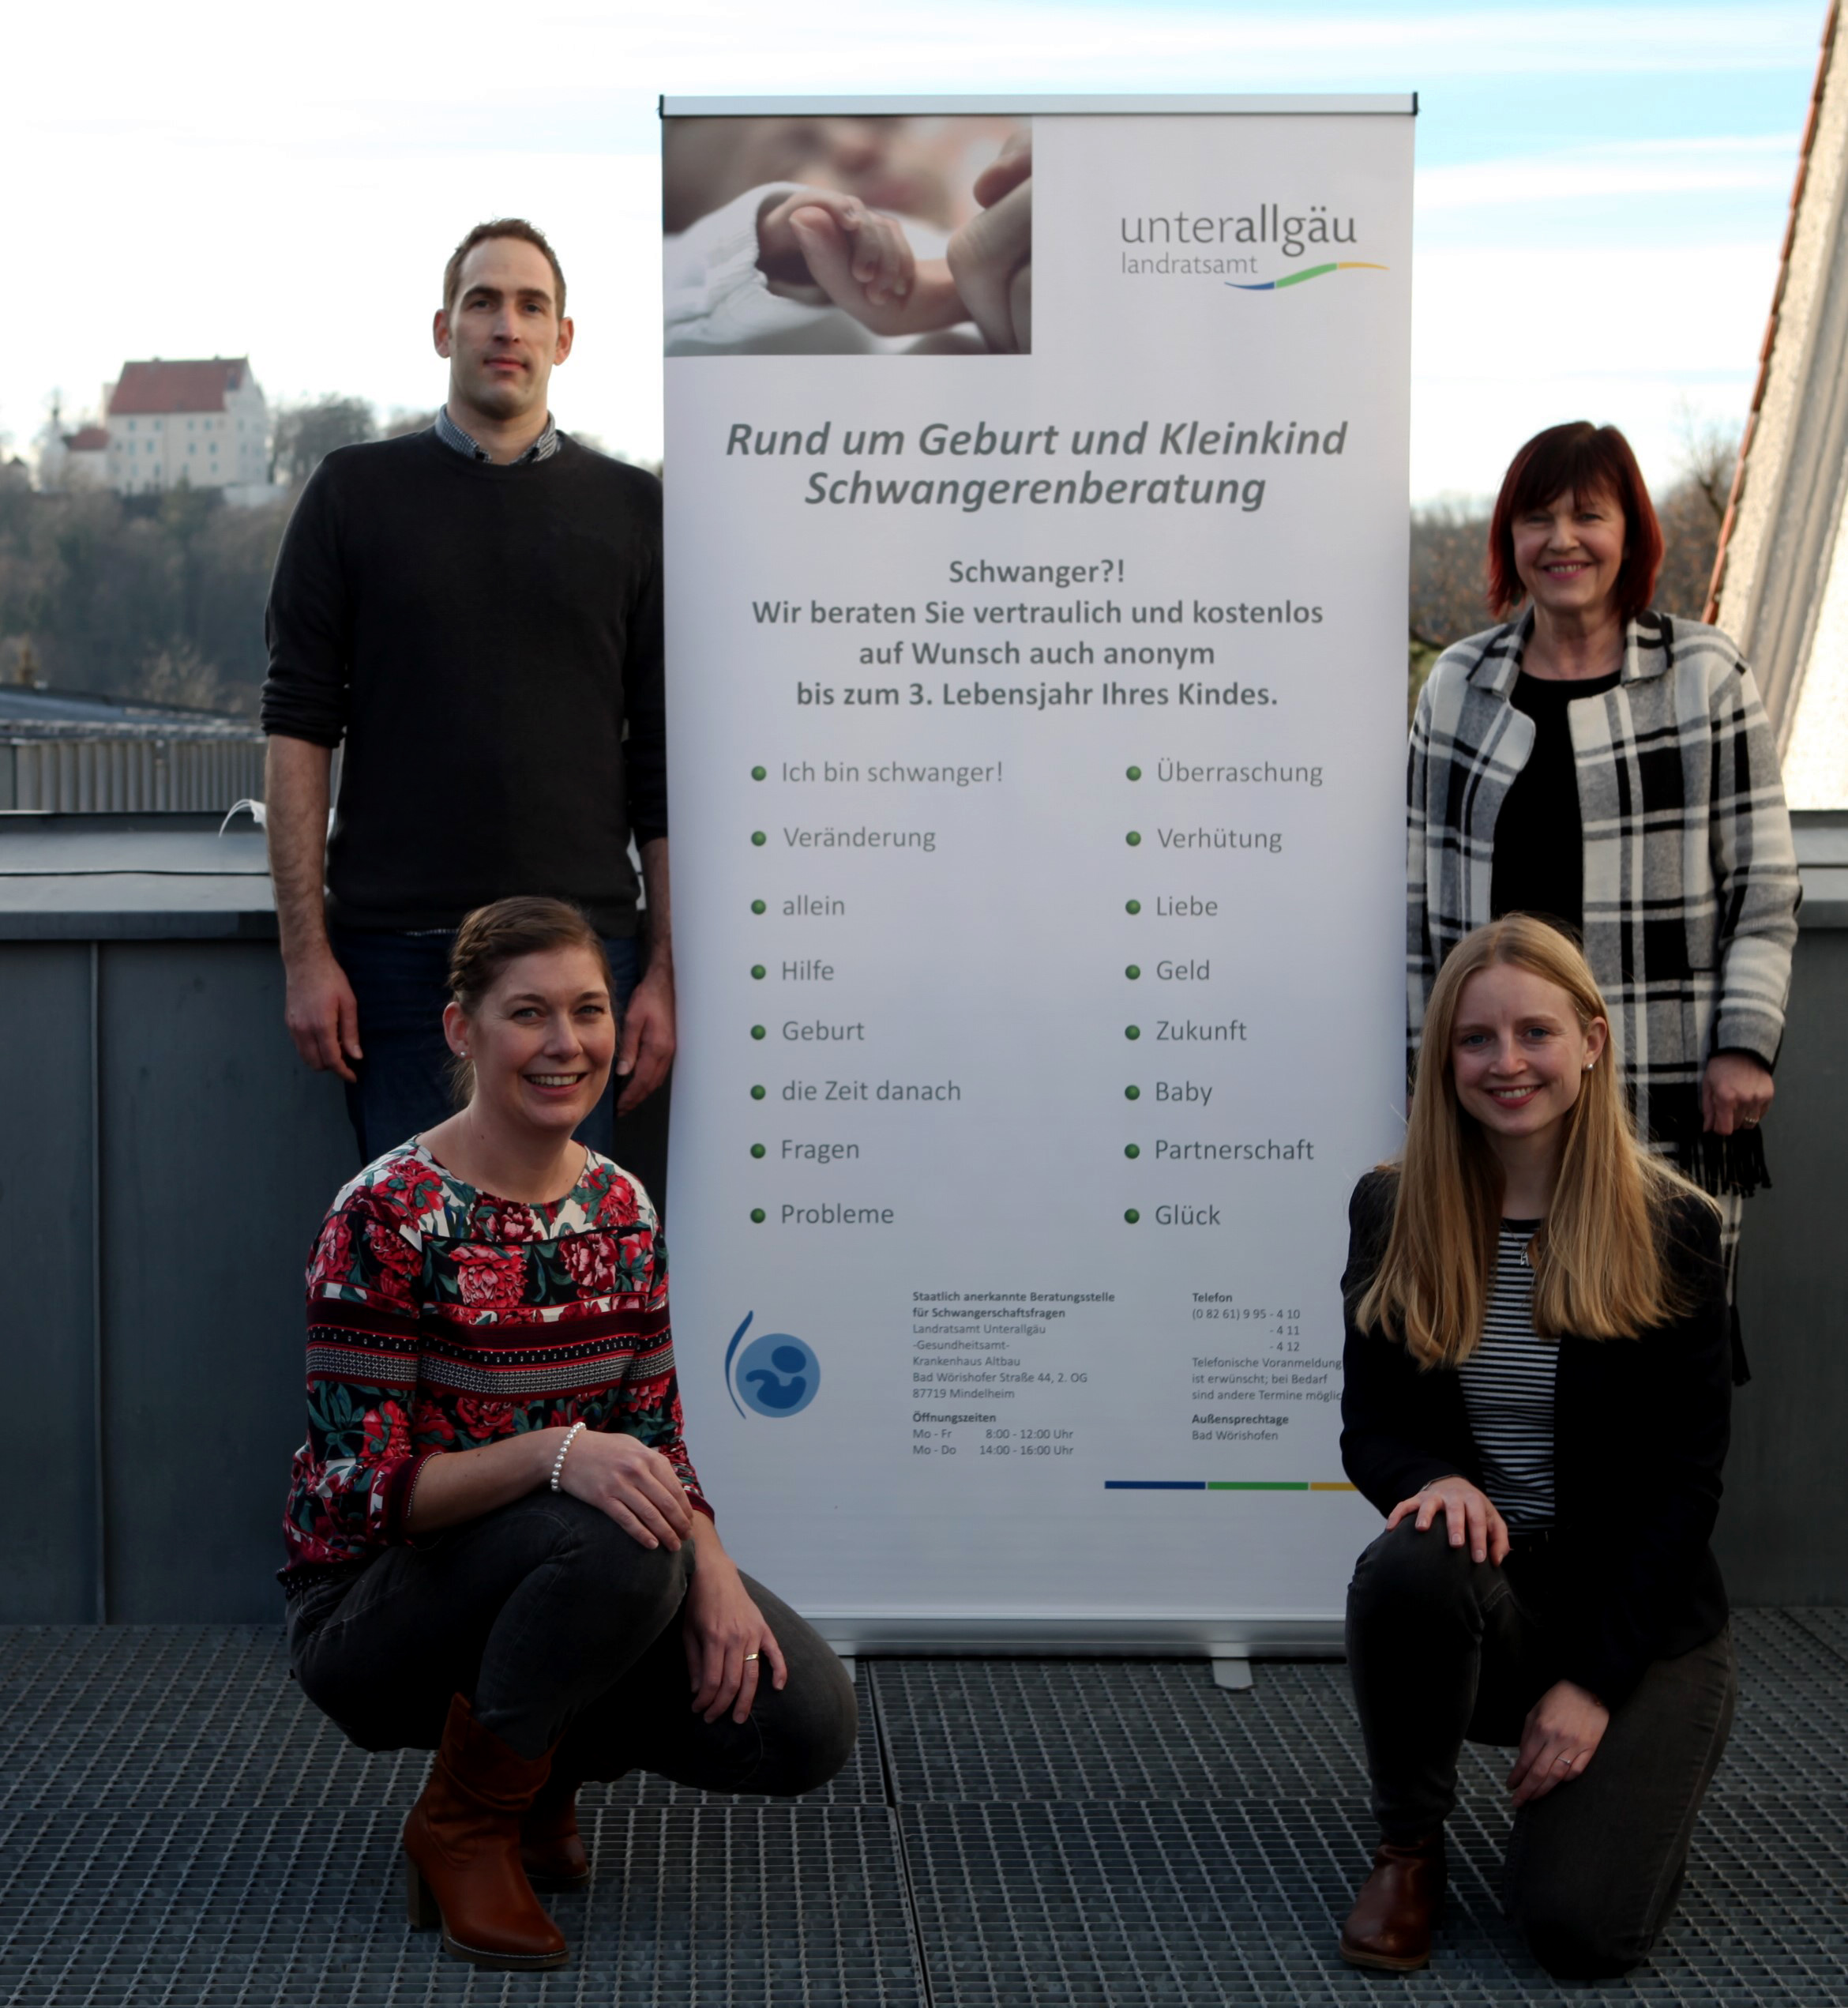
[401, 982]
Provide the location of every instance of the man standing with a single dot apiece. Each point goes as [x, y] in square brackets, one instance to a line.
[475, 610]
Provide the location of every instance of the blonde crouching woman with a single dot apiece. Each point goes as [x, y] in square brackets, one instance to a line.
[1537, 1373]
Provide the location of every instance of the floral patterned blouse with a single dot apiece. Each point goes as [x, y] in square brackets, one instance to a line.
[440, 1317]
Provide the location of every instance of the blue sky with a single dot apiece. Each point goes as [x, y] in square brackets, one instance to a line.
[1602, 189]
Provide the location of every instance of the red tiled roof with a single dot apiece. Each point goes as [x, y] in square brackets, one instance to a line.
[90, 439]
[163, 387]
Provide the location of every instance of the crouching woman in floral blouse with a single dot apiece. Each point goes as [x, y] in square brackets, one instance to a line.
[498, 1547]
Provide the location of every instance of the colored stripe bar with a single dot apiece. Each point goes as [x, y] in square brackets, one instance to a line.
[1313, 272]
[1227, 1485]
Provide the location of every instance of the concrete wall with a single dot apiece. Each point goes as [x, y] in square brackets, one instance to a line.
[165, 1161]
[1783, 1532]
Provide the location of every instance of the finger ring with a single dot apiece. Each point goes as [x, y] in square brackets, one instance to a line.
[1749, 1122]
[750, 1656]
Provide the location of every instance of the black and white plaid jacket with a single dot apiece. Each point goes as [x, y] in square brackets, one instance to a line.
[1691, 885]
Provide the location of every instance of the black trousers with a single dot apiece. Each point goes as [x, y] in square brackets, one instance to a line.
[1442, 1649]
[561, 1630]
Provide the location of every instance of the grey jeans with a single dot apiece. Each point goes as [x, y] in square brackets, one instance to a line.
[561, 1630]
[1442, 1649]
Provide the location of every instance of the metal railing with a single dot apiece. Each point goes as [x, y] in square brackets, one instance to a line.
[123, 774]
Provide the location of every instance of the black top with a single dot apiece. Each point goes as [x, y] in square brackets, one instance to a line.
[481, 636]
[1539, 866]
[1639, 1435]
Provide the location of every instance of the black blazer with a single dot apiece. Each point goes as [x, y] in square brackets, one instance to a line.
[1639, 1435]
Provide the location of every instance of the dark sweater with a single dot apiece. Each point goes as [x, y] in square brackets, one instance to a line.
[1639, 1435]
[1539, 863]
[481, 637]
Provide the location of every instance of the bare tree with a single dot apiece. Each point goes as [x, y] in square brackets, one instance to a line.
[1449, 551]
[179, 674]
[301, 436]
[1693, 510]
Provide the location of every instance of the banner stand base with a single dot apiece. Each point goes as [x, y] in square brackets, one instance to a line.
[1228, 1642]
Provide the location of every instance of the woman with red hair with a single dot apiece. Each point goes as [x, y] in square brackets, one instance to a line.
[1610, 769]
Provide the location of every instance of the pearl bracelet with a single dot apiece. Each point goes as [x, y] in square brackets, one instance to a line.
[558, 1461]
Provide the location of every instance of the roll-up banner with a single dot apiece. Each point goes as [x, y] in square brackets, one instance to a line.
[1036, 560]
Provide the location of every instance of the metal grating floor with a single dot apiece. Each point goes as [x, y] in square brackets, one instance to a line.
[177, 1827]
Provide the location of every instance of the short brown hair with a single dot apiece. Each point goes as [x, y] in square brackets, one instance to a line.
[1586, 458]
[491, 936]
[502, 226]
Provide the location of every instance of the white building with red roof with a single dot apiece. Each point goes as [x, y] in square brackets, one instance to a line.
[202, 422]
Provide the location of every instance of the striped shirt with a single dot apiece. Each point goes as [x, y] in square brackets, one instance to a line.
[1507, 1386]
[471, 449]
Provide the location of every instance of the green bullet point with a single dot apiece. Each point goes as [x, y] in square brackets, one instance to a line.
[1131, 1216]
[756, 906]
[757, 972]
[1132, 839]
[757, 1214]
[1133, 973]
[1133, 906]
[756, 1150]
[757, 1032]
[1129, 1032]
[1132, 1150]
[1132, 1094]
[757, 773]
[757, 837]
[756, 1094]
[1135, 774]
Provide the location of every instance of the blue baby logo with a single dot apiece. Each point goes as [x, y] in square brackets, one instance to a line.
[775, 1375]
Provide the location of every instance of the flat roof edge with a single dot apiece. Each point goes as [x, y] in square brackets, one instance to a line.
[1280, 104]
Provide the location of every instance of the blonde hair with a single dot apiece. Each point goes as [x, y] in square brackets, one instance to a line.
[1599, 1257]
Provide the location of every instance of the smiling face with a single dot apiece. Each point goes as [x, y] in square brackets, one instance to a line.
[502, 334]
[542, 1040]
[1567, 552]
[1518, 1053]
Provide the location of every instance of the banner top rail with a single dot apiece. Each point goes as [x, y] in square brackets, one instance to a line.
[1281, 104]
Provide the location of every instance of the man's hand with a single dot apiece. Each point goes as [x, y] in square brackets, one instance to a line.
[321, 1013]
[647, 1047]
[728, 1644]
[1563, 1730]
[1735, 1091]
[1468, 1512]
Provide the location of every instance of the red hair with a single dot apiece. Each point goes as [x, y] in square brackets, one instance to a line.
[1586, 459]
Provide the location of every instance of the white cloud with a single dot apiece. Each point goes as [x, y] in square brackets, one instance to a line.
[1503, 345]
[1665, 167]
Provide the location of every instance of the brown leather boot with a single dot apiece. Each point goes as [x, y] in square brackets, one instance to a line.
[551, 1850]
[462, 1851]
[1390, 1925]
